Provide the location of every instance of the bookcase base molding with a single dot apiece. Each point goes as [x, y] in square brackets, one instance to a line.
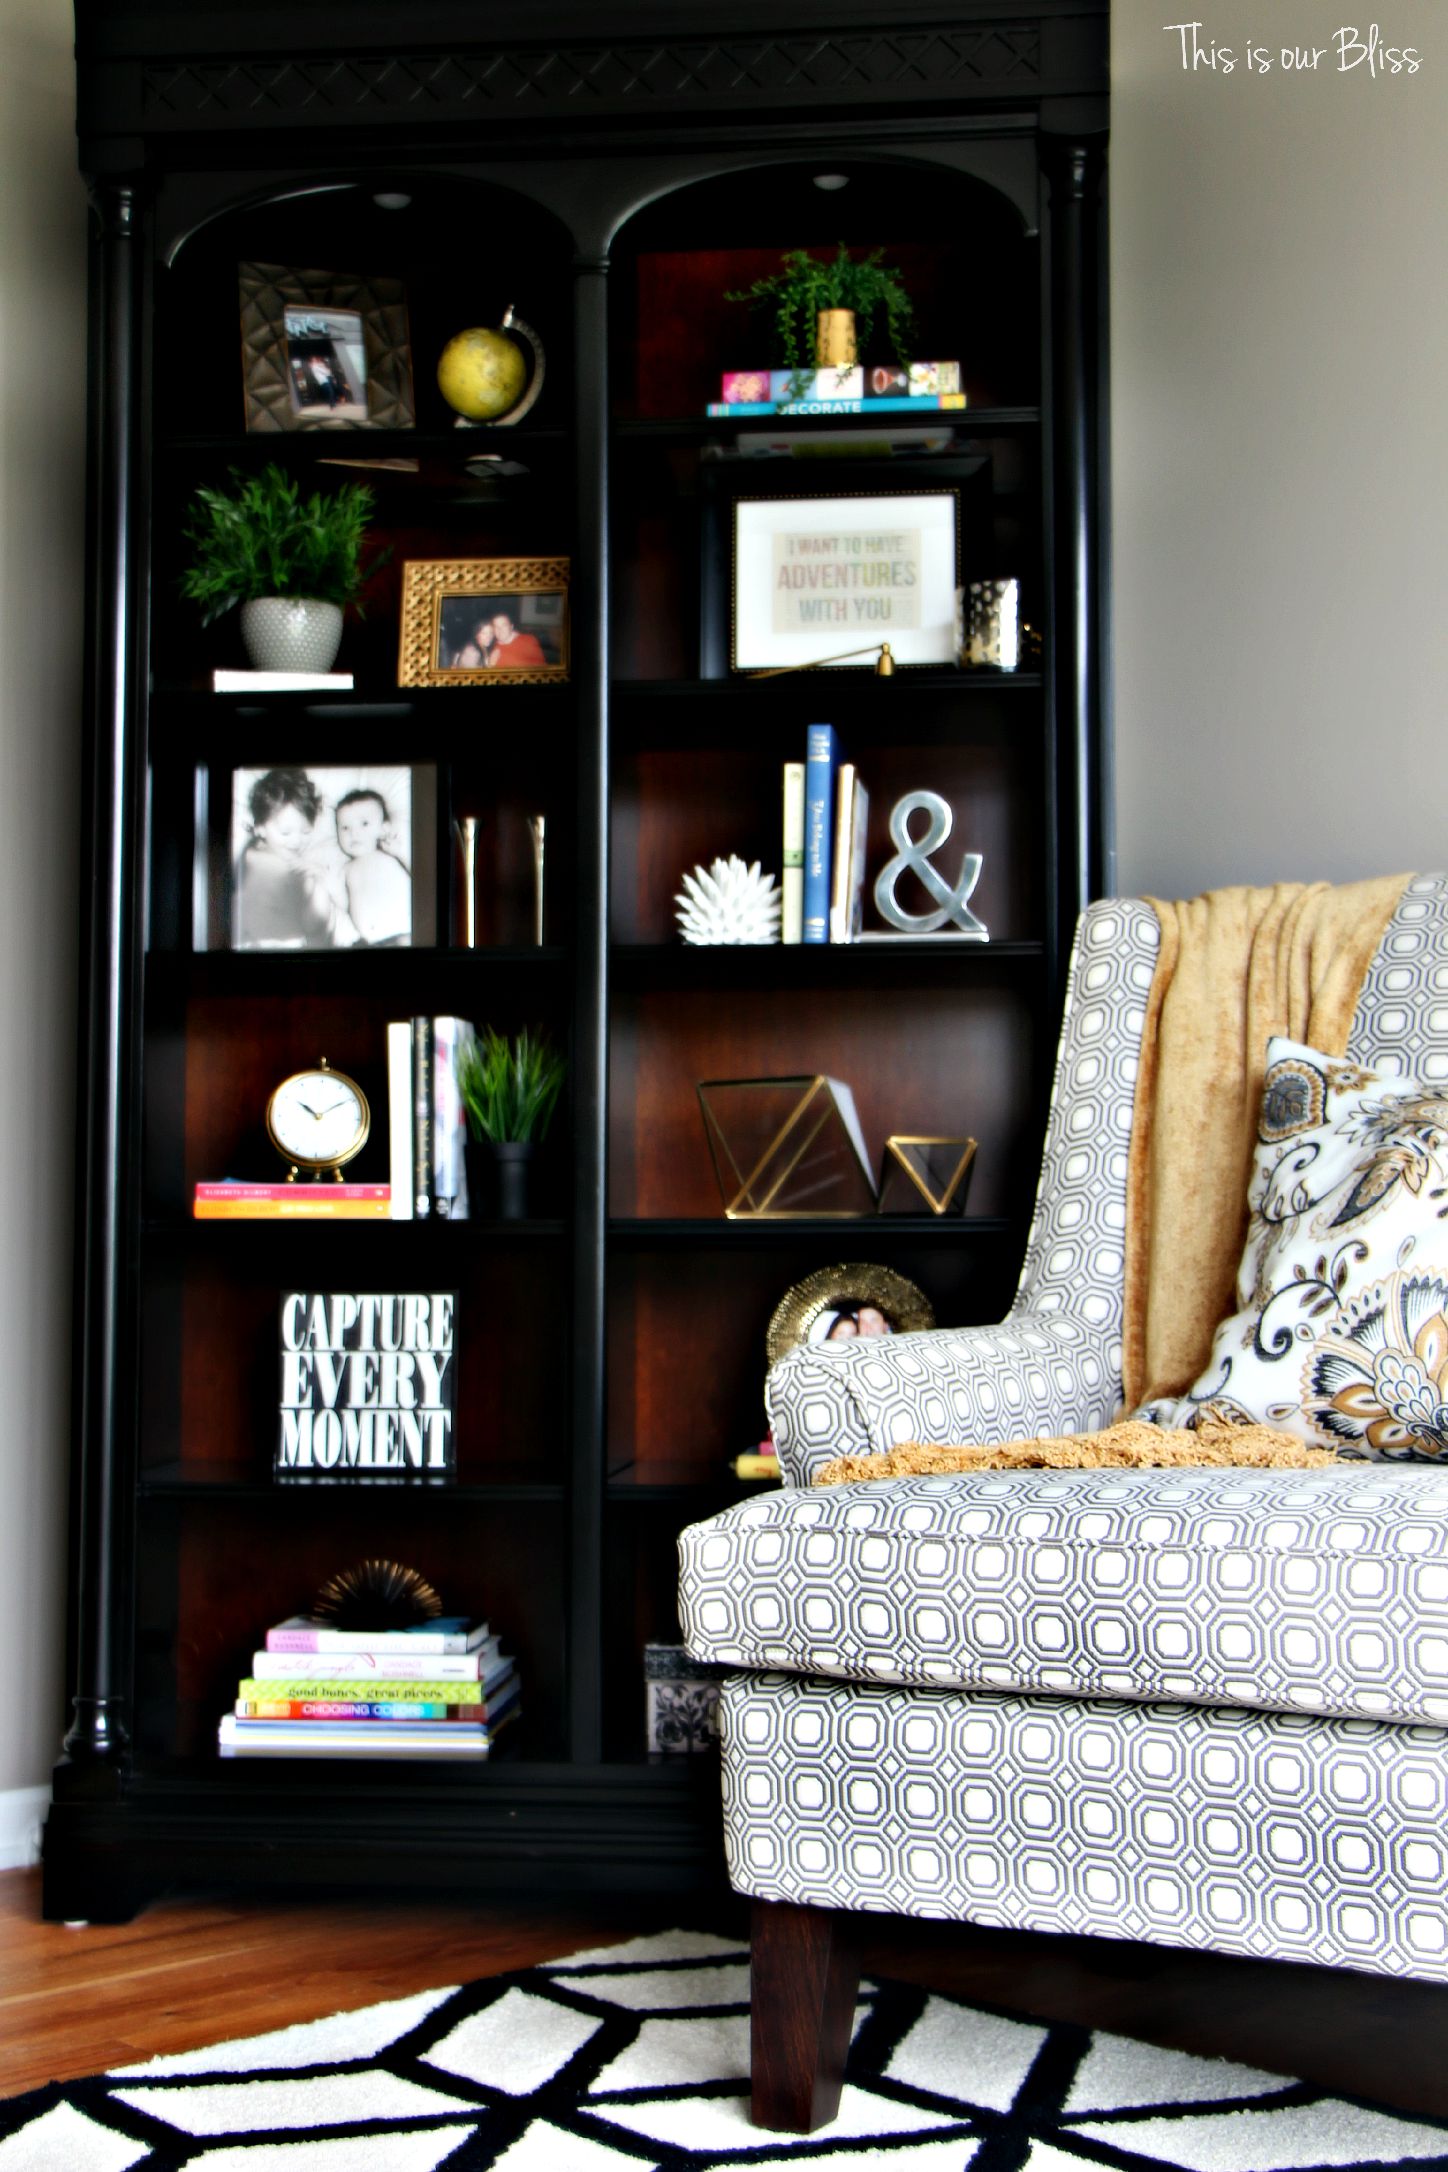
[113, 1846]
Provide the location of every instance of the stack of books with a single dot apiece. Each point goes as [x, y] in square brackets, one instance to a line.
[826, 818]
[427, 1127]
[913, 388]
[441, 1689]
[231, 1200]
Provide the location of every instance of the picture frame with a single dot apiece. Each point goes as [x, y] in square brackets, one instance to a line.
[461, 618]
[324, 350]
[816, 574]
[841, 1303]
[330, 856]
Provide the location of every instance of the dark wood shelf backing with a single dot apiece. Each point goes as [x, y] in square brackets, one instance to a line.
[239, 1481]
[664, 1483]
[701, 429]
[645, 1232]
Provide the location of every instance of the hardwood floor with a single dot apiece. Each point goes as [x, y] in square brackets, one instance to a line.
[183, 1974]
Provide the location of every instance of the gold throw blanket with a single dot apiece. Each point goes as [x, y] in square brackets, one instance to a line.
[1131, 1445]
[1235, 967]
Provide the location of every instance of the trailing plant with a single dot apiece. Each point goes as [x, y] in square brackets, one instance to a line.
[805, 284]
[264, 538]
[509, 1088]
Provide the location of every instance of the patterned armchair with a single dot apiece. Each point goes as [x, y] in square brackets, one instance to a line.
[1206, 1708]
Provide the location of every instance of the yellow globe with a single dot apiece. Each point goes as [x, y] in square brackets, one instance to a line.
[482, 373]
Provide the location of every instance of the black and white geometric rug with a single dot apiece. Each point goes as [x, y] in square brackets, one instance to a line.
[635, 2056]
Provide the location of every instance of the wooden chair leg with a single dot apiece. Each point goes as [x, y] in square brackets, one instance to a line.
[804, 1974]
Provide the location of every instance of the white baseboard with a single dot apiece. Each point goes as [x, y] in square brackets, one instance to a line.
[22, 1813]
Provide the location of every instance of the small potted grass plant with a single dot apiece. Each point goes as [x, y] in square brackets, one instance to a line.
[291, 561]
[509, 1090]
[824, 309]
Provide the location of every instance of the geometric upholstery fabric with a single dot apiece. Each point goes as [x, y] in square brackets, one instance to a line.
[1239, 1832]
[1054, 1363]
[1321, 1591]
[1059, 1349]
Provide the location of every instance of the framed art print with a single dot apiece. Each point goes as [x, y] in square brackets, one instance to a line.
[324, 350]
[483, 622]
[815, 575]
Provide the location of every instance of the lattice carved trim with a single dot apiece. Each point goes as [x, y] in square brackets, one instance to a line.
[676, 72]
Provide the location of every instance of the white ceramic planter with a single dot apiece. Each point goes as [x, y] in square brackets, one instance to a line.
[291, 633]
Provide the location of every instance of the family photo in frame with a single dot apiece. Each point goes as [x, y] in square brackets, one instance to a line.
[326, 857]
[481, 621]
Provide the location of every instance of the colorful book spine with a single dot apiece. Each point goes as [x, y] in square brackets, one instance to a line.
[449, 1633]
[449, 1124]
[840, 870]
[406, 1715]
[422, 1118]
[821, 756]
[920, 403]
[292, 1202]
[873, 383]
[792, 879]
[255, 1688]
[852, 815]
[357, 1738]
[399, 1117]
[393, 1673]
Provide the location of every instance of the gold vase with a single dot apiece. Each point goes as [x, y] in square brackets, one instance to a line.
[835, 339]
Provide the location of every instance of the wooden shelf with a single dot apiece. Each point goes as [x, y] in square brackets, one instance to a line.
[256, 448]
[817, 965]
[386, 976]
[646, 1232]
[699, 429]
[239, 1482]
[191, 726]
[321, 1231]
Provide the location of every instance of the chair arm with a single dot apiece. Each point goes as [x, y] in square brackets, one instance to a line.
[1033, 1374]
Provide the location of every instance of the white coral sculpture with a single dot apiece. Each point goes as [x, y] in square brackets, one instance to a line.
[728, 902]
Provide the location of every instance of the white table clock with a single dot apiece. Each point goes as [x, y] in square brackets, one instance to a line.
[318, 1120]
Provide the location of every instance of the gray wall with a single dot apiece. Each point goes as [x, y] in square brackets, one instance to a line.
[42, 439]
[1280, 421]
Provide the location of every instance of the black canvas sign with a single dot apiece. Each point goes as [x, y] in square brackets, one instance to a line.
[369, 1385]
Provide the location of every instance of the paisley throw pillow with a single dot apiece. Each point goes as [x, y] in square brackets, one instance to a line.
[1341, 1335]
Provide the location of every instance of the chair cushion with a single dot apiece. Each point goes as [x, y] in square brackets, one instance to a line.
[1341, 1331]
[1310, 1591]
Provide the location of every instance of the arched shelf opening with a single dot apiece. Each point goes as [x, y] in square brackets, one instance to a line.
[962, 248]
[461, 248]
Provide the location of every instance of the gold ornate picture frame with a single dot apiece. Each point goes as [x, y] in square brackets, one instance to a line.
[324, 350]
[484, 622]
[856, 1299]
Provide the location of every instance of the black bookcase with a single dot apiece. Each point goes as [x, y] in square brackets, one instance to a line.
[612, 186]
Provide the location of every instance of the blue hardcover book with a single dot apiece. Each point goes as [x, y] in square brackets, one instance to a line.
[821, 754]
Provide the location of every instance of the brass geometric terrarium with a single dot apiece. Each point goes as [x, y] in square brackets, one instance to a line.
[932, 1172]
[787, 1147]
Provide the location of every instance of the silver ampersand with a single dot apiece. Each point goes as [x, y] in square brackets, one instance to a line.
[914, 853]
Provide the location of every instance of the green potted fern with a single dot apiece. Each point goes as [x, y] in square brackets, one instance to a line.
[291, 561]
[509, 1091]
[825, 309]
